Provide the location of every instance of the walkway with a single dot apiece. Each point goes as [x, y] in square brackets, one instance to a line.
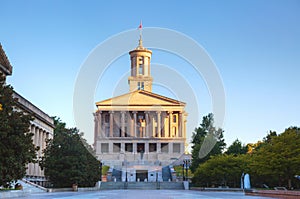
[142, 194]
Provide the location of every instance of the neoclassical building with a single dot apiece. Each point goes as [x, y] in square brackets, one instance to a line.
[42, 126]
[140, 132]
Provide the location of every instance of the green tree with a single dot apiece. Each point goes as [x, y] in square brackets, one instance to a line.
[221, 170]
[16, 146]
[67, 160]
[277, 162]
[237, 148]
[206, 129]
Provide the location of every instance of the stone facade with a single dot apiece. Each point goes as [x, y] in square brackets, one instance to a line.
[140, 130]
[42, 126]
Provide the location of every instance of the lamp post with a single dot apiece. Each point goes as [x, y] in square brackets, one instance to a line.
[183, 172]
[125, 162]
[101, 170]
[186, 165]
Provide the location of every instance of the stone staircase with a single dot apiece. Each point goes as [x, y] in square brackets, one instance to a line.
[142, 185]
[31, 187]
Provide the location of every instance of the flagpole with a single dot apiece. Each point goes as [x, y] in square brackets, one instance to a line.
[140, 29]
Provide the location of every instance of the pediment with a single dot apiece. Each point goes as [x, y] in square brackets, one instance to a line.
[140, 98]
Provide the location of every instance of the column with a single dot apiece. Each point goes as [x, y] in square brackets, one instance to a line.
[134, 123]
[111, 123]
[95, 127]
[147, 123]
[170, 148]
[122, 147]
[167, 129]
[150, 125]
[43, 147]
[158, 147]
[180, 124]
[122, 124]
[134, 148]
[40, 144]
[154, 125]
[100, 130]
[36, 144]
[170, 123]
[110, 147]
[158, 124]
[163, 129]
[131, 126]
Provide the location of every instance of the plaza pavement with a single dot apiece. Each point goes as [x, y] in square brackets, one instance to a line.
[142, 194]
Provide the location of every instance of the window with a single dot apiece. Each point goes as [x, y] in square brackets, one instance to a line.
[128, 147]
[117, 147]
[165, 147]
[142, 85]
[141, 72]
[104, 147]
[140, 147]
[174, 118]
[152, 147]
[176, 147]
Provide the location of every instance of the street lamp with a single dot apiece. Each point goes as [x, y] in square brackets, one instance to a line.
[101, 170]
[125, 162]
[186, 165]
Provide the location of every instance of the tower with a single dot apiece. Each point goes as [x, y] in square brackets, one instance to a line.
[140, 78]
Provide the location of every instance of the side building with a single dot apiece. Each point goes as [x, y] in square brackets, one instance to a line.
[42, 126]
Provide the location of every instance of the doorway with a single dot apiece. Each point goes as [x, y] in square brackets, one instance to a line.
[142, 175]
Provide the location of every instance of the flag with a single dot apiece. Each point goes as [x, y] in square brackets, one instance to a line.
[140, 26]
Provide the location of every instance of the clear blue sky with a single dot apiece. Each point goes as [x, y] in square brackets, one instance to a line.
[254, 43]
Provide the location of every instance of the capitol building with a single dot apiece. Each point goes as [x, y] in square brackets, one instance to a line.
[140, 133]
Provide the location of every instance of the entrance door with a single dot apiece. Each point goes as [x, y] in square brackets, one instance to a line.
[142, 175]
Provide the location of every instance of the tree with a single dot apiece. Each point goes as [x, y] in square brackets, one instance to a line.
[221, 170]
[277, 162]
[16, 146]
[206, 129]
[66, 159]
[237, 148]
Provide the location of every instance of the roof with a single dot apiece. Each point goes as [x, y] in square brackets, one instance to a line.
[5, 66]
[140, 98]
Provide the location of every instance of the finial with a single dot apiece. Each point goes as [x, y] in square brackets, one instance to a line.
[140, 41]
